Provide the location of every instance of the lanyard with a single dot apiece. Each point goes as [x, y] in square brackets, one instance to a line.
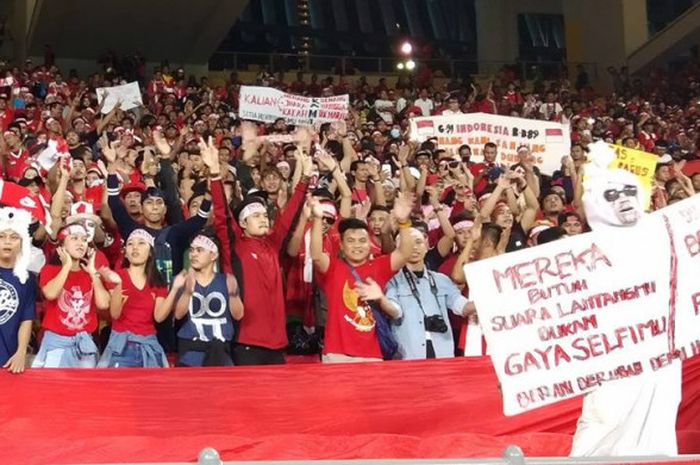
[410, 277]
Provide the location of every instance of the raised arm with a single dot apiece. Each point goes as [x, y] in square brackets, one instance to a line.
[225, 227]
[321, 260]
[444, 245]
[339, 177]
[297, 239]
[285, 218]
[457, 274]
[402, 211]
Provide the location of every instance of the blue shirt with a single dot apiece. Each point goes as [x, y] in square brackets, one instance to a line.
[17, 303]
[209, 316]
[409, 329]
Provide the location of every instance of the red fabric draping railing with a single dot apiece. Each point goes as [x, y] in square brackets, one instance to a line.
[431, 409]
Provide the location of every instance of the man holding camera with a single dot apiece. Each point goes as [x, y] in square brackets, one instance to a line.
[420, 299]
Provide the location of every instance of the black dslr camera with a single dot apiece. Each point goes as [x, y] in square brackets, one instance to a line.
[435, 324]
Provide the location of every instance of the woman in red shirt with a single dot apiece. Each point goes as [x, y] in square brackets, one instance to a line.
[73, 292]
[139, 298]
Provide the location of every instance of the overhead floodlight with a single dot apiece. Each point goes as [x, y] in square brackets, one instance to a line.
[406, 48]
[410, 65]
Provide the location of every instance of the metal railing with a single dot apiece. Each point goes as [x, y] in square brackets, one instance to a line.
[347, 65]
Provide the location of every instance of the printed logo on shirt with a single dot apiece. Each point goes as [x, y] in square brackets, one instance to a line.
[75, 305]
[9, 302]
[208, 312]
[27, 202]
[361, 317]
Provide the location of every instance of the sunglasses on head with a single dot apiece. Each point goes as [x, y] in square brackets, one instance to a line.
[613, 194]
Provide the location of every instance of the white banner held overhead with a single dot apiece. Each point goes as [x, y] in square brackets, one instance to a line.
[128, 94]
[562, 318]
[266, 104]
[548, 141]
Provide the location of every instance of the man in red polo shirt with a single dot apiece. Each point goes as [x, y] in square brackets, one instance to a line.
[350, 328]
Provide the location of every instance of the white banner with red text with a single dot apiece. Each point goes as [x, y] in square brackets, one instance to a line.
[548, 141]
[267, 105]
[562, 318]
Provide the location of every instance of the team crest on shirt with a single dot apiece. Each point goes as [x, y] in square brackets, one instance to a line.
[362, 318]
[75, 304]
[9, 302]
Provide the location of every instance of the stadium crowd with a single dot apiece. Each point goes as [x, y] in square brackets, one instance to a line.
[175, 228]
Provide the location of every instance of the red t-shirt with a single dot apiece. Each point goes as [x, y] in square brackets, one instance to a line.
[17, 164]
[74, 309]
[138, 306]
[350, 325]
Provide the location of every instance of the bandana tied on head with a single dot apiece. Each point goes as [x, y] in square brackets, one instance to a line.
[72, 229]
[141, 234]
[17, 220]
[205, 243]
[464, 224]
[251, 209]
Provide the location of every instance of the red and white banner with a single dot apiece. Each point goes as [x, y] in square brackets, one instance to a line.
[267, 105]
[548, 141]
[562, 318]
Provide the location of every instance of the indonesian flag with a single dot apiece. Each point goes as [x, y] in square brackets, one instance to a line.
[425, 128]
[17, 196]
[553, 135]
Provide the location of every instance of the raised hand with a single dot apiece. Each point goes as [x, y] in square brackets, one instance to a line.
[210, 155]
[90, 267]
[403, 205]
[64, 256]
[161, 144]
[190, 282]
[179, 280]
[327, 160]
[109, 275]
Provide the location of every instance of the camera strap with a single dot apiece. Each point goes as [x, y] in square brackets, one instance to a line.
[411, 278]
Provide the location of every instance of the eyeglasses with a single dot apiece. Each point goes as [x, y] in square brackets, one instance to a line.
[453, 164]
[613, 194]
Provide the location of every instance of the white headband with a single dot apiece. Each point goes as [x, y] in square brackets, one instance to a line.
[329, 209]
[74, 229]
[464, 224]
[141, 234]
[415, 232]
[205, 243]
[250, 209]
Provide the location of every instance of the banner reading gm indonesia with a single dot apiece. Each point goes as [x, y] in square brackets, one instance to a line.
[562, 318]
[267, 105]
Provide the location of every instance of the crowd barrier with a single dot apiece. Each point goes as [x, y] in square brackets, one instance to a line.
[438, 409]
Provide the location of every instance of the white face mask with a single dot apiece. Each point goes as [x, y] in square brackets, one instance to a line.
[90, 228]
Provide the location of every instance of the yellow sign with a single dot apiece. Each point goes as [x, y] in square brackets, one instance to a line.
[641, 164]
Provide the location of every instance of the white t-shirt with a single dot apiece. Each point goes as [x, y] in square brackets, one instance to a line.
[380, 105]
[426, 106]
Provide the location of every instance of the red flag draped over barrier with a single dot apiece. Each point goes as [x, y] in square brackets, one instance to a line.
[429, 409]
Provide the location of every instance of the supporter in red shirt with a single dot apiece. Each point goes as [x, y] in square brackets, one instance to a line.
[480, 171]
[350, 329]
[254, 247]
[139, 298]
[73, 292]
